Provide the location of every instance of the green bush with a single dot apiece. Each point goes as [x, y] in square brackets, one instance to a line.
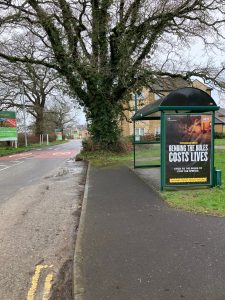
[123, 145]
[34, 139]
[219, 135]
[150, 137]
[31, 139]
[87, 145]
[52, 137]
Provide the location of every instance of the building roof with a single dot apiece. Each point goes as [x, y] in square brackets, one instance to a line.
[218, 121]
[168, 84]
[220, 116]
[165, 84]
[184, 99]
[196, 81]
[221, 112]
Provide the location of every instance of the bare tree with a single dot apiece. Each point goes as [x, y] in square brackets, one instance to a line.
[105, 48]
[60, 114]
[24, 85]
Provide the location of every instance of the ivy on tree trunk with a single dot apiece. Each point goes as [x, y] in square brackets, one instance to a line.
[103, 127]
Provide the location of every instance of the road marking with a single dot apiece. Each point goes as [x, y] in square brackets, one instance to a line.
[35, 279]
[47, 286]
[5, 168]
[21, 154]
[15, 163]
[19, 163]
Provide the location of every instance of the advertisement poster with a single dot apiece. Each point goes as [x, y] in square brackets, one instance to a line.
[58, 133]
[59, 136]
[188, 149]
[75, 134]
[8, 131]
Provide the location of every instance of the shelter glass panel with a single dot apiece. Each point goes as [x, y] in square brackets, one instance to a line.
[147, 154]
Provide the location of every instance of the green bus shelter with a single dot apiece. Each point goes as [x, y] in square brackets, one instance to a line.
[186, 117]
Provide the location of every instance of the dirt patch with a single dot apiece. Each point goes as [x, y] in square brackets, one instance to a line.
[62, 288]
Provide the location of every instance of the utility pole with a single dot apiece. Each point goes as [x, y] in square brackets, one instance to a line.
[24, 114]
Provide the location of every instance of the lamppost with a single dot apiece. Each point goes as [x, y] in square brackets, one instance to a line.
[24, 112]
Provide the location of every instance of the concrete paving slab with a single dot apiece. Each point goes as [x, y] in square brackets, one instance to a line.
[150, 175]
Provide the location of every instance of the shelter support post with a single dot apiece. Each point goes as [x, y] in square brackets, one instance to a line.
[213, 151]
[162, 150]
[134, 144]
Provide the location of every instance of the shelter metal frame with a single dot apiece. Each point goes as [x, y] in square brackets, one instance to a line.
[185, 101]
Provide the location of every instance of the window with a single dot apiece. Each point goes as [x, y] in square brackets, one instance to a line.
[139, 131]
[157, 131]
[138, 99]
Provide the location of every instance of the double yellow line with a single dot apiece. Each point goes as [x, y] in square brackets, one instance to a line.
[35, 280]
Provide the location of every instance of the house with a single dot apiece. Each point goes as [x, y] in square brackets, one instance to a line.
[220, 121]
[160, 88]
[78, 132]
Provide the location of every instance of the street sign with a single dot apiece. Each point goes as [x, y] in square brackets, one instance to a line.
[58, 133]
[8, 130]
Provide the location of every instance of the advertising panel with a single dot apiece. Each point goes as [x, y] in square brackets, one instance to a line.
[58, 133]
[76, 135]
[8, 131]
[188, 149]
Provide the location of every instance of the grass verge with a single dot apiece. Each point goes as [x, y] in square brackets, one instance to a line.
[208, 201]
[220, 142]
[145, 155]
[10, 150]
[106, 158]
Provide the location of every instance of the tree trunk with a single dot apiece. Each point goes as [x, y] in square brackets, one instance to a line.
[39, 122]
[103, 127]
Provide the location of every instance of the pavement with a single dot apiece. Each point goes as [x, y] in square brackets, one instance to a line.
[132, 246]
[220, 147]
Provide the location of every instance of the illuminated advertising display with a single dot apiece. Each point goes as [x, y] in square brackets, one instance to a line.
[188, 149]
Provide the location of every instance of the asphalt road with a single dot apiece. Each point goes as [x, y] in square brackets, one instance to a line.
[39, 201]
[20, 170]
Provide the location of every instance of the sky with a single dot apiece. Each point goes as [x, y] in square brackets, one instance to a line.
[81, 117]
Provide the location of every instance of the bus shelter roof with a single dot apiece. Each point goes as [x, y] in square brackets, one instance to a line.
[186, 99]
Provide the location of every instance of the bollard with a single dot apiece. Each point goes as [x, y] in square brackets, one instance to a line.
[217, 178]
